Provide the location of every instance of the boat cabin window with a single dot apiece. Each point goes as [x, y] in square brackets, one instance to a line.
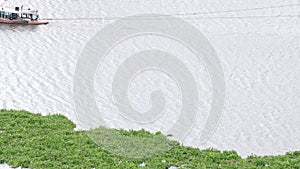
[8, 15]
[24, 15]
[2, 14]
[5, 14]
[14, 16]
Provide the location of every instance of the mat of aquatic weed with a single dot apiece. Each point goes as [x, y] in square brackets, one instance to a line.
[35, 141]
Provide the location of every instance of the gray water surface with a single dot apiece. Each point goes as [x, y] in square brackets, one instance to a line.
[260, 58]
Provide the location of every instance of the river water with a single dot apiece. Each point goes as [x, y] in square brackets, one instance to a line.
[257, 43]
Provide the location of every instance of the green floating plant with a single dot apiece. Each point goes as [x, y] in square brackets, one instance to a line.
[35, 141]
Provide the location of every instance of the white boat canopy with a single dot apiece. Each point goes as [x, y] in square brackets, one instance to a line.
[21, 11]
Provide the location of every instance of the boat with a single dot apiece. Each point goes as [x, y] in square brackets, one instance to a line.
[20, 15]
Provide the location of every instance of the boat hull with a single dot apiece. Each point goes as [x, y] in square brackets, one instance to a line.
[23, 22]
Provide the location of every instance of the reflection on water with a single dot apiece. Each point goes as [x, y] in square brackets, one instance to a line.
[18, 28]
